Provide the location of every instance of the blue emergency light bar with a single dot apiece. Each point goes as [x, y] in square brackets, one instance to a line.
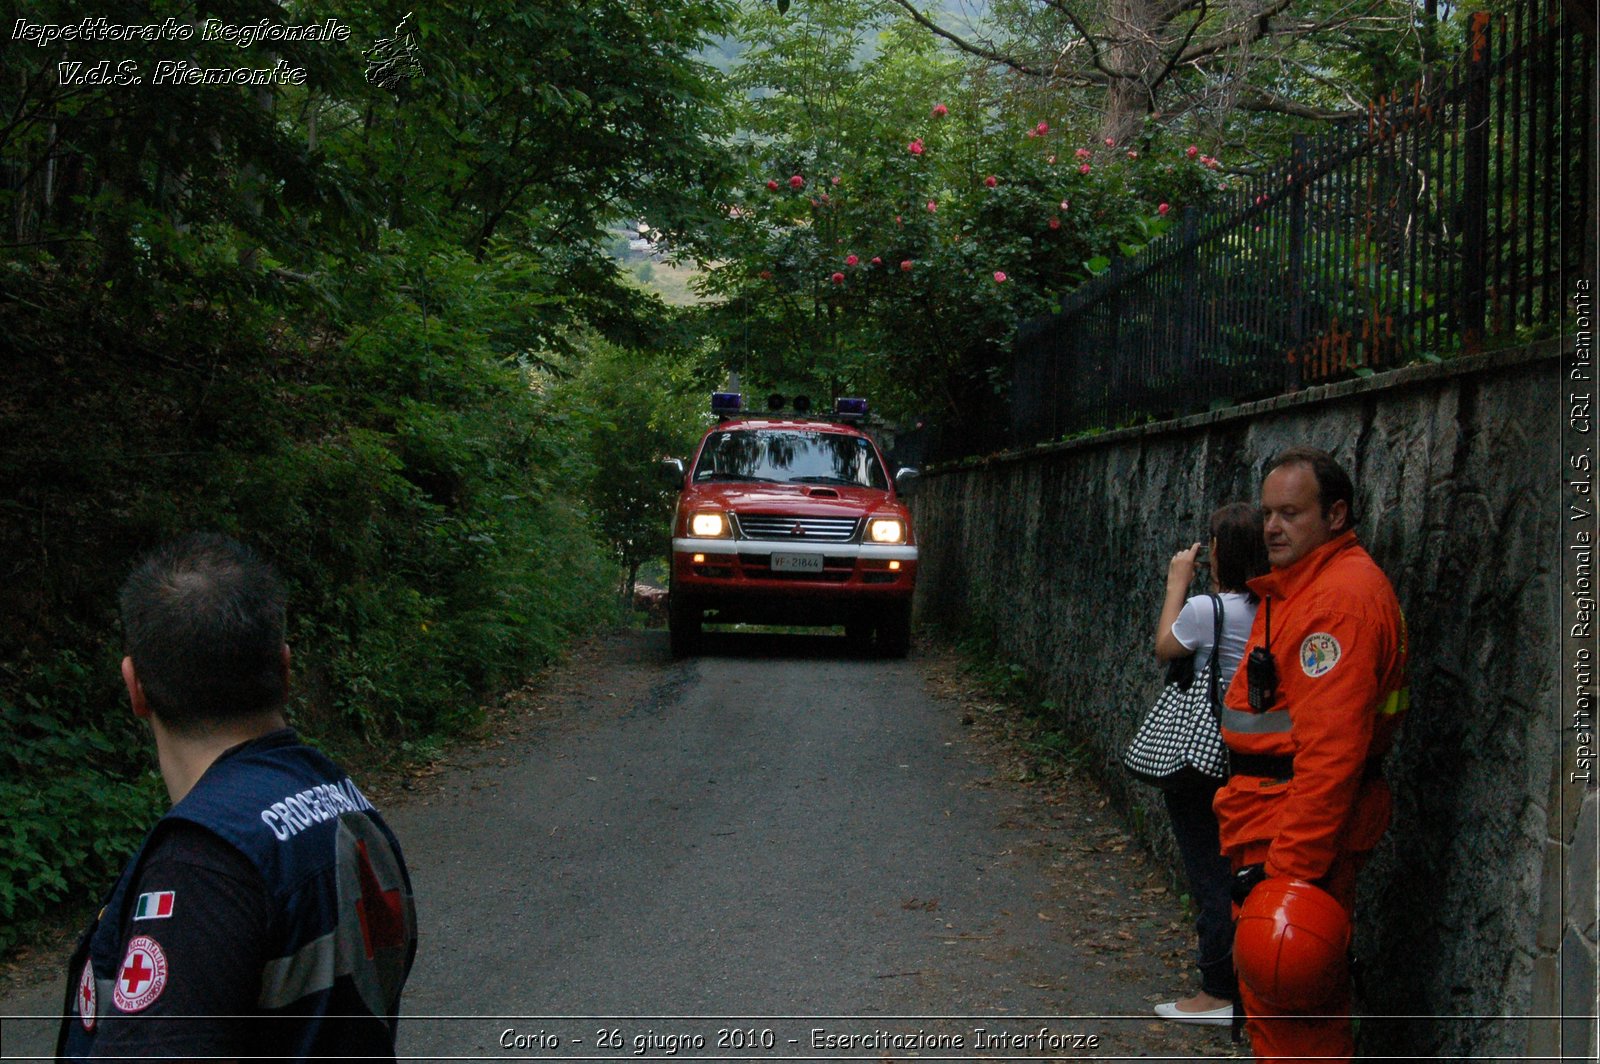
[731, 404]
[850, 409]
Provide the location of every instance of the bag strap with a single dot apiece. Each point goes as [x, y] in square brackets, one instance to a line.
[1216, 656]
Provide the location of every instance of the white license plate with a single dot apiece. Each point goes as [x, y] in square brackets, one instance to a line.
[797, 563]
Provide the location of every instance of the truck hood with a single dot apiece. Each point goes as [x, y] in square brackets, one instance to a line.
[816, 500]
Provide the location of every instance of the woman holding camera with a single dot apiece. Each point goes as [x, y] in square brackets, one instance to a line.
[1187, 627]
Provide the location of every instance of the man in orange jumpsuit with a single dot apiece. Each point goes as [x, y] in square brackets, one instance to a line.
[1306, 799]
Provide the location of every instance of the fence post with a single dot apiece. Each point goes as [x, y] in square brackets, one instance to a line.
[1474, 187]
[1113, 380]
[1189, 296]
[1297, 262]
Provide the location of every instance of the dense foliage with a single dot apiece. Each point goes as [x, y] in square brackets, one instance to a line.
[892, 249]
[327, 316]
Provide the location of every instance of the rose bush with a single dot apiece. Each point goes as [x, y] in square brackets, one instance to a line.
[992, 215]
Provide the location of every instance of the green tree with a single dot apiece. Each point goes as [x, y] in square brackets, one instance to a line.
[892, 248]
[630, 410]
[1232, 75]
[313, 314]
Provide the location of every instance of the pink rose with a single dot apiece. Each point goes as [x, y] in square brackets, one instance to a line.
[850, 260]
[915, 147]
[877, 260]
[838, 278]
[1066, 205]
[1055, 223]
[772, 185]
[797, 181]
[1191, 151]
[940, 110]
[999, 277]
[1083, 153]
[932, 206]
[837, 180]
[1083, 169]
[1042, 128]
[991, 181]
[1133, 154]
[1111, 142]
[905, 264]
[1163, 208]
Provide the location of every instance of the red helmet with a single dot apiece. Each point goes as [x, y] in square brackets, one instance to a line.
[1291, 945]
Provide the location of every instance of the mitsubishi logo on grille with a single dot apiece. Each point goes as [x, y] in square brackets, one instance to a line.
[797, 530]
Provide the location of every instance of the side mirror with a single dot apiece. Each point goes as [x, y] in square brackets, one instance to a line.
[672, 471]
[904, 479]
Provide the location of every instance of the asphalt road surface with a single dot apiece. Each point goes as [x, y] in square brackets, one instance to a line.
[776, 850]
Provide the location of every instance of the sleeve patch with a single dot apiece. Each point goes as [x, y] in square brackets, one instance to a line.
[157, 905]
[88, 997]
[142, 975]
[1319, 653]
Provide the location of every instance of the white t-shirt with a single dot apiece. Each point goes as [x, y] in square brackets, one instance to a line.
[1195, 627]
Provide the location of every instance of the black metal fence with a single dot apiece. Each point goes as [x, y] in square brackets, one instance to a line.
[1441, 222]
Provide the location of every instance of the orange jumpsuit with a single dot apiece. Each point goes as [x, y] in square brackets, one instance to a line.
[1307, 799]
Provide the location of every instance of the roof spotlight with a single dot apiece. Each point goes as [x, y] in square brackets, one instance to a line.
[802, 404]
[775, 401]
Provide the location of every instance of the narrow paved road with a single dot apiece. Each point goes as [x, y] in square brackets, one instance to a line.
[774, 837]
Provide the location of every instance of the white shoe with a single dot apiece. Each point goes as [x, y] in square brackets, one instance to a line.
[1209, 1018]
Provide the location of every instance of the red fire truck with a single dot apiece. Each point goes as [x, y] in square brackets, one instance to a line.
[789, 519]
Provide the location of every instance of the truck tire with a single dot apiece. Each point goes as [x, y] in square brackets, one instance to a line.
[684, 618]
[894, 631]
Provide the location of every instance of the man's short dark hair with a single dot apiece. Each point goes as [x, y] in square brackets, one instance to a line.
[1333, 483]
[203, 618]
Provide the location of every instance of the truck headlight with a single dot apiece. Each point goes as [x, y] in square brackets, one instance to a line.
[886, 530]
[708, 524]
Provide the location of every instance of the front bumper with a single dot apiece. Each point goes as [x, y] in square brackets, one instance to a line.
[736, 576]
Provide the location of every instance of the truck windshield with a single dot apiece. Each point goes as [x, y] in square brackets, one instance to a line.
[790, 456]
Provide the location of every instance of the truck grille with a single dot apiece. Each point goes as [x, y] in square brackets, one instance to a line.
[812, 529]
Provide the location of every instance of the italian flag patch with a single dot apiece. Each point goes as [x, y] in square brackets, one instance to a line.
[154, 906]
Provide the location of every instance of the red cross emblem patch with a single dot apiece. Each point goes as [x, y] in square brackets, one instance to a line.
[142, 975]
[383, 924]
[88, 1000]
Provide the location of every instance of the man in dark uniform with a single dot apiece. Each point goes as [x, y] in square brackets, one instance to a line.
[269, 912]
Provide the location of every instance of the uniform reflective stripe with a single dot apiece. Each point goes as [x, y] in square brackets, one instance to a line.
[307, 970]
[1397, 702]
[1272, 722]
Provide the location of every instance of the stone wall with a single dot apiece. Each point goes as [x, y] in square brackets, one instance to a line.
[1059, 554]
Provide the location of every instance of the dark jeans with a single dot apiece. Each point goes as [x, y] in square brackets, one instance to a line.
[1194, 826]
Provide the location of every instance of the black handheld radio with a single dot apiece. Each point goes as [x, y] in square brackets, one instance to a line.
[1261, 672]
